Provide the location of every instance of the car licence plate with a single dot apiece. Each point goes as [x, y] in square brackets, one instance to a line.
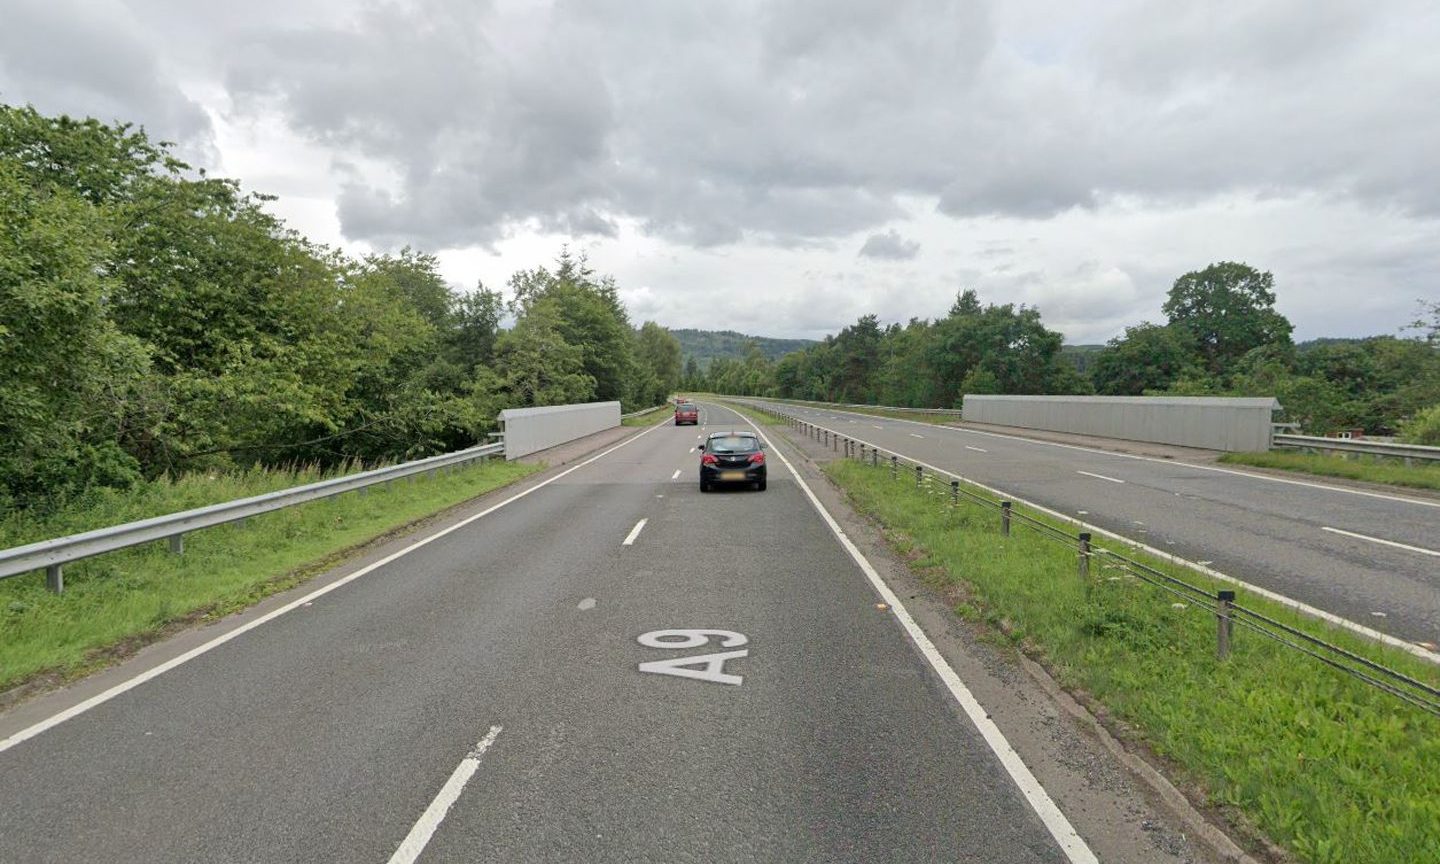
[732, 475]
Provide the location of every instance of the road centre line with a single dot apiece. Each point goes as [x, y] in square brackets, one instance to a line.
[1419, 549]
[419, 836]
[1198, 567]
[1070, 842]
[156, 671]
[676, 475]
[635, 532]
[915, 435]
[1171, 462]
[976, 449]
[1099, 476]
[873, 426]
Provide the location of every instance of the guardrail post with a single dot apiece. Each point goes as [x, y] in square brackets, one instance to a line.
[1005, 518]
[874, 457]
[177, 544]
[862, 453]
[1084, 561]
[55, 579]
[835, 443]
[919, 475]
[954, 492]
[1224, 600]
[894, 466]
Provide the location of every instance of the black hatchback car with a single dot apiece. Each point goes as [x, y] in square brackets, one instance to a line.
[732, 457]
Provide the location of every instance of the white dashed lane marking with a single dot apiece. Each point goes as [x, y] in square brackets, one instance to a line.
[634, 532]
[1404, 546]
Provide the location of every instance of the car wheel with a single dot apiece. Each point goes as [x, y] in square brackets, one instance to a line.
[704, 487]
[759, 485]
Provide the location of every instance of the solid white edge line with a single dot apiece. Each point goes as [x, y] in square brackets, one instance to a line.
[1099, 476]
[1070, 842]
[156, 671]
[425, 827]
[1408, 548]
[1298, 606]
[1246, 474]
[634, 532]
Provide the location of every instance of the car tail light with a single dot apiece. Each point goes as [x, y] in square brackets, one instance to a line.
[708, 459]
[757, 458]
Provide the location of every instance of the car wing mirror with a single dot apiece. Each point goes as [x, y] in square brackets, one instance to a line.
[700, 447]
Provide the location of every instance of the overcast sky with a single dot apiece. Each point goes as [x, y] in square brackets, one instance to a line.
[783, 167]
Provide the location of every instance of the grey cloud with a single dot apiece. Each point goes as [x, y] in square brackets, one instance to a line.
[96, 59]
[889, 246]
[800, 121]
[811, 125]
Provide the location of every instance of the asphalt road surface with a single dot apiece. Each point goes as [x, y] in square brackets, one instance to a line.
[506, 692]
[1372, 558]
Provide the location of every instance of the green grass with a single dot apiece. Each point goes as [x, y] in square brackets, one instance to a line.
[933, 419]
[116, 602]
[1331, 769]
[649, 417]
[1373, 470]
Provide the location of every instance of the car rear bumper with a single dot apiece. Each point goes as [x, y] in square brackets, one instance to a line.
[751, 474]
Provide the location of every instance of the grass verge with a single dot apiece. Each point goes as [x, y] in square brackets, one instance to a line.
[115, 603]
[932, 419]
[649, 417]
[1321, 764]
[1372, 470]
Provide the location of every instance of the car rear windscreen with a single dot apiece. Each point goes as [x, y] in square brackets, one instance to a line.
[732, 444]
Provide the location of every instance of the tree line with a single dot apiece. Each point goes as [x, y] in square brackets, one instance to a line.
[154, 319]
[1222, 336]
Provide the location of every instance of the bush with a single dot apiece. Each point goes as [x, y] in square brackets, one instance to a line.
[1423, 428]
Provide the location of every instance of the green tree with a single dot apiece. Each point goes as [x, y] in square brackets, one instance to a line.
[858, 354]
[1226, 310]
[692, 379]
[1147, 357]
[475, 326]
[588, 314]
[539, 367]
[66, 372]
[657, 353]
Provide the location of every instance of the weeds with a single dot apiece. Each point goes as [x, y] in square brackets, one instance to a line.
[1325, 766]
[132, 596]
[1370, 469]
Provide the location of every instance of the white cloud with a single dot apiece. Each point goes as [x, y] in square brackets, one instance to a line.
[1070, 158]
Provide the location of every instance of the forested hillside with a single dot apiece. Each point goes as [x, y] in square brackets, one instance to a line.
[157, 320]
[1222, 336]
[706, 345]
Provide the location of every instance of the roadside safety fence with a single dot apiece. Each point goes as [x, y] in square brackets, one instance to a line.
[1407, 453]
[954, 413]
[52, 555]
[1228, 612]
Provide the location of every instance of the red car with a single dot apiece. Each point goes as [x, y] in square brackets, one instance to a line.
[687, 412]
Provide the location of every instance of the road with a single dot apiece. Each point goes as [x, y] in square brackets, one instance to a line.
[493, 695]
[1281, 535]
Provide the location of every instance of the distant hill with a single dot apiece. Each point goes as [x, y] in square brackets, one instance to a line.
[1081, 355]
[706, 345]
[1326, 341]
